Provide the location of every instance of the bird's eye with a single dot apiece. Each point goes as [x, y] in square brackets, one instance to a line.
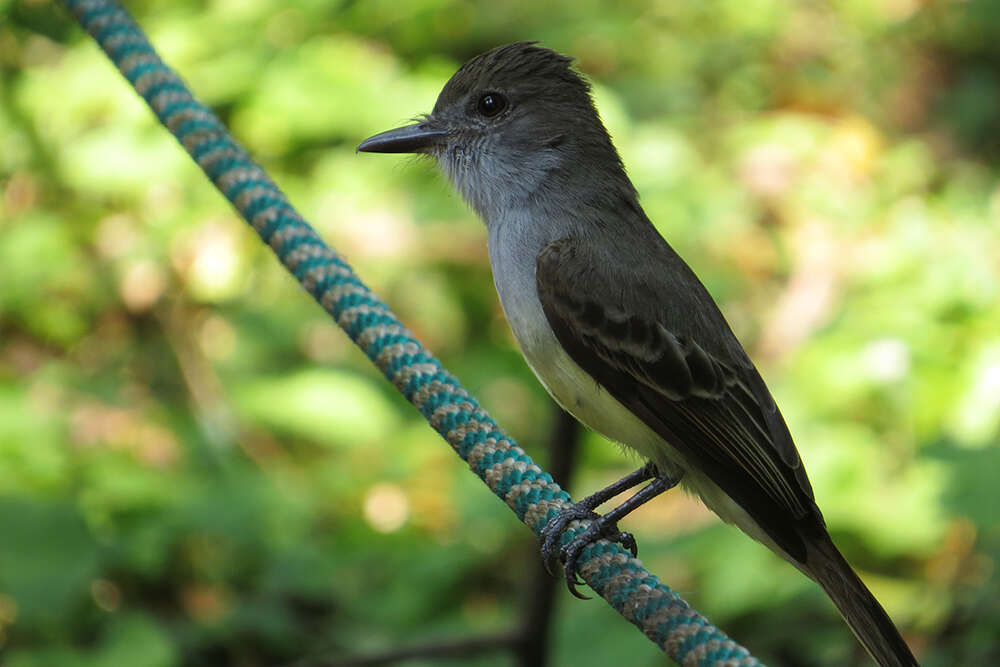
[491, 104]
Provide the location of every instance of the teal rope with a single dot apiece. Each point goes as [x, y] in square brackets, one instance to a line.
[661, 614]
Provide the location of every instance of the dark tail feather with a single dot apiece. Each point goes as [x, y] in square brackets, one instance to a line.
[869, 622]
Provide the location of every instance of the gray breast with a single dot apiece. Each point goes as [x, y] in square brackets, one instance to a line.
[514, 244]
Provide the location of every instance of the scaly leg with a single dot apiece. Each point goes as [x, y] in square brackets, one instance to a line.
[605, 526]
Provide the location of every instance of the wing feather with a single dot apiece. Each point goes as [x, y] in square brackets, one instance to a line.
[710, 406]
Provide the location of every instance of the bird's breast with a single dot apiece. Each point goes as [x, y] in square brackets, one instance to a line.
[575, 390]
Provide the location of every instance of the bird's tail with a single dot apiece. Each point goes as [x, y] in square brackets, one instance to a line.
[865, 616]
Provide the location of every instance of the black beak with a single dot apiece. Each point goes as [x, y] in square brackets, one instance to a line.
[408, 139]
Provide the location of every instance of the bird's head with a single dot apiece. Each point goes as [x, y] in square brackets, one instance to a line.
[509, 123]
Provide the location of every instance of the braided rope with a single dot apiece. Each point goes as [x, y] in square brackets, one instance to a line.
[684, 634]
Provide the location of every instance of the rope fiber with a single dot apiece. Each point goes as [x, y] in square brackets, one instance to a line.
[665, 618]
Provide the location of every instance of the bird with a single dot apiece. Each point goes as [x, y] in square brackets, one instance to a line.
[616, 326]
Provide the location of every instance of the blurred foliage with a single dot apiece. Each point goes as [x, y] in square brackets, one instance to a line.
[196, 467]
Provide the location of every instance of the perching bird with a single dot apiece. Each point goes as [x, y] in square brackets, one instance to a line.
[615, 325]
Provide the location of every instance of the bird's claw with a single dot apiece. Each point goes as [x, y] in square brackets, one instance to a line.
[568, 554]
[552, 553]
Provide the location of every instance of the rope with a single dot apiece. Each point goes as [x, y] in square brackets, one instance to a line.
[680, 631]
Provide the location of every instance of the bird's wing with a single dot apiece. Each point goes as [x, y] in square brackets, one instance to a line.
[713, 407]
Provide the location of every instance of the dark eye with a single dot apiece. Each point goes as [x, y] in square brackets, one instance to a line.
[490, 104]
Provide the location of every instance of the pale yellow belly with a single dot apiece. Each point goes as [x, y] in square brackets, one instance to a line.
[580, 395]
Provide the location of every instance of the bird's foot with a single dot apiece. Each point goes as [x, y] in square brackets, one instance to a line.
[600, 527]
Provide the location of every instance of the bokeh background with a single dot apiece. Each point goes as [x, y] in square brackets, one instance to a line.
[198, 468]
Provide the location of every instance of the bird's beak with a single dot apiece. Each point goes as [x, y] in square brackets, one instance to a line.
[409, 139]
